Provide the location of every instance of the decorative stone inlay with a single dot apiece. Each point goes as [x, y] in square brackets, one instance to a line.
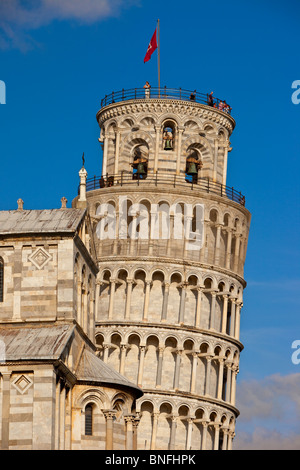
[22, 383]
[180, 108]
[40, 258]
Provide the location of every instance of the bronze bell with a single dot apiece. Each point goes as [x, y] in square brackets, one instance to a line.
[192, 168]
[141, 169]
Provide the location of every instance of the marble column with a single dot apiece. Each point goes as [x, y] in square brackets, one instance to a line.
[157, 141]
[232, 318]
[216, 436]
[111, 298]
[159, 366]
[189, 434]
[224, 313]
[233, 385]
[177, 368]
[184, 286]
[135, 424]
[117, 152]
[146, 300]
[225, 439]
[220, 378]
[217, 247]
[105, 352]
[155, 417]
[228, 249]
[129, 419]
[122, 358]
[207, 375]
[173, 432]
[228, 382]
[194, 372]
[141, 365]
[237, 320]
[165, 301]
[110, 416]
[198, 307]
[212, 311]
[128, 298]
[204, 435]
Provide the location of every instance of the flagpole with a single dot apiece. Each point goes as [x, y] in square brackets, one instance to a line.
[158, 56]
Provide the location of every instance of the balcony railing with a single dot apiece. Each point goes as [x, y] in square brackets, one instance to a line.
[158, 179]
[165, 93]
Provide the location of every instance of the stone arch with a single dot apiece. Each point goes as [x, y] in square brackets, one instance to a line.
[104, 293]
[135, 139]
[157, 277]
[139, 276]
[127, 123]
[165, 424]
[201, 145]
[192, 124]
[223, 134]
[169, 361]
[147, 120]
[94, 395]
[227, 217]
[192, 294]
[182, 426]
[110, 125]
[186, 365]
[210, 127]
[133, 341]
[169, 134]
[169, 117]
[121, 400]
[146, 409]
[175, 294]
[99, 340]
[150, 361]
[114, 350]
[214, 215]
[197, 433]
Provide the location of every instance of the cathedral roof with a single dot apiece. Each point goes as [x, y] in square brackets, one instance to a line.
[39, 343]
[47, 343]
[93, 369]
[46, 220]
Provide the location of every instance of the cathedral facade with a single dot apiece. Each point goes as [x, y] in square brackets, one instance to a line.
[120, 317]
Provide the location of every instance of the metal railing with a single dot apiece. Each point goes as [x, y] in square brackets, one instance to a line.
[165, 93]
[156, 179]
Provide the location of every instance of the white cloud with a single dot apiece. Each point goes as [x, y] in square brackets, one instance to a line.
[270, 412]
[265, 439]
[17, 17]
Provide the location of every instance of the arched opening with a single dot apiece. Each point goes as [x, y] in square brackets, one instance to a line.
[88, 421]
[168, 135]
[193, 165]
[145, 426]
[140, 162]
[164, 428]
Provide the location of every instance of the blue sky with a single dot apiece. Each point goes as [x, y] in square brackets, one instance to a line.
[58, 59]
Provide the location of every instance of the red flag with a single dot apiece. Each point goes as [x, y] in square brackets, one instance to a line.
[151, 48]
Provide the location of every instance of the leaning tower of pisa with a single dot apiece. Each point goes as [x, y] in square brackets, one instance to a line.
[171, 244]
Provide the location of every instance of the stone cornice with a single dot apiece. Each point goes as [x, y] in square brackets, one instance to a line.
[167, 327]
[187, 395]
[195, 194]
[161, 106]
[171, 260]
